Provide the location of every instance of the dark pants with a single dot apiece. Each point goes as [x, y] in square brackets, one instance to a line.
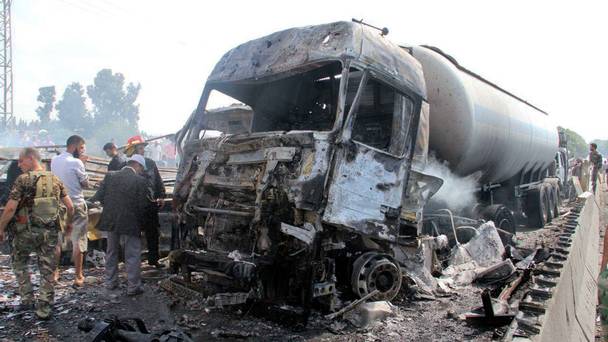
[594, 177]
[151, 230]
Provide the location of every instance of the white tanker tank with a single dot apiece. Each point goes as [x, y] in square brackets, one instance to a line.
[476, 126]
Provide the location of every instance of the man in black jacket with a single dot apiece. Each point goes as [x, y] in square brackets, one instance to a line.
[136, 146]
[118, 160]
[125, 199]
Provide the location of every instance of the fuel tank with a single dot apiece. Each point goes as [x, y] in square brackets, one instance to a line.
[477, 126]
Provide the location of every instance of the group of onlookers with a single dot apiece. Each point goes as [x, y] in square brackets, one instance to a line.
[47, 208]
[591, 170]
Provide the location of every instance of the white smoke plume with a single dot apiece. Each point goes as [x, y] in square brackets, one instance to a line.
[456, 193]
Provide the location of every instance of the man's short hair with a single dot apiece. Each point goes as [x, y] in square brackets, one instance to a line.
[594, 145]
[74, 140]
[109, 146]
[30, 152]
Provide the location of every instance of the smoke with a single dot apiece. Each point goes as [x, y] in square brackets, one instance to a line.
[457, 193]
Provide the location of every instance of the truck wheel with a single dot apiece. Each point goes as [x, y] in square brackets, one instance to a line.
[376, 271]
[502, 217]
[536, 211]
[549, 201]
[557, 201]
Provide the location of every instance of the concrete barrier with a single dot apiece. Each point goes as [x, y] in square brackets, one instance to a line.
[570, 314]
[561, 305]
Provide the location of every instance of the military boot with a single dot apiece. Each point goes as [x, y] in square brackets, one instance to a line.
[43, 311]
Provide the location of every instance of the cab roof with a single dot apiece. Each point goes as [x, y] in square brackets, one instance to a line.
[285, 52]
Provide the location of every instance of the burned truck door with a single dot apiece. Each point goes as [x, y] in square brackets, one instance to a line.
[371, 164]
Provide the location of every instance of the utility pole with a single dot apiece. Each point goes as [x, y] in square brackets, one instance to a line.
[6, 66]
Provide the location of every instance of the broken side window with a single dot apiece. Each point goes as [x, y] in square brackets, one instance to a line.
[306, 100]
[383, 116]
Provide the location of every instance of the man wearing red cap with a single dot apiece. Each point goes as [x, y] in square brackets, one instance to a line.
[137, 145]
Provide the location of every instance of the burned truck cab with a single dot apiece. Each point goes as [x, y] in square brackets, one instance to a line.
[314, 200]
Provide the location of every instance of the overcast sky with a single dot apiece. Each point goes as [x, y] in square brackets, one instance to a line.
[551, 53]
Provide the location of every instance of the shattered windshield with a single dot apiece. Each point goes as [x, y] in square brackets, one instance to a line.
[304, 101]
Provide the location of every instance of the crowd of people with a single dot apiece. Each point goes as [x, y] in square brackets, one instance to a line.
[47, 208]
[592, 170]
[28, 138]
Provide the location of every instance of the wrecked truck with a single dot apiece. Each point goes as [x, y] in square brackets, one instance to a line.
[323, 196]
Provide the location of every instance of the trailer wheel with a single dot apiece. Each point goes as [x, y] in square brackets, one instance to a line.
[549, 201]
[502, 217]
[558, 202]
[536, 211]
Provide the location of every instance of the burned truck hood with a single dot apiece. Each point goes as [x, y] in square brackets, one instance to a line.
[284, 52]
[297, 161]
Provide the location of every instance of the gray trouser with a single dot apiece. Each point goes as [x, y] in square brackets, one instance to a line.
[132, 260]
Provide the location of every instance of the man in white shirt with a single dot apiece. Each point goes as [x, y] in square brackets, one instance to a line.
[69, 167]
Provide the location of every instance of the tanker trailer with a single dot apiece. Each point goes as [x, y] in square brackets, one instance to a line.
[477, 127]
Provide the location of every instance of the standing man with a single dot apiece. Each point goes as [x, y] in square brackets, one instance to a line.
[125, 200]
[35, 197]
[69, 167]
[136, 146]
[595, 158]
[118, 160]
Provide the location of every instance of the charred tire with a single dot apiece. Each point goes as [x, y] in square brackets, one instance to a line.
[376, 271]
[502, 217]
[536, 210]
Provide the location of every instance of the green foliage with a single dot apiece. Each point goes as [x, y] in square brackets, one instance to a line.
[112, 101]
[602, 147]
[46, 96]
[576, 144]
[114, 115]
[72, 110]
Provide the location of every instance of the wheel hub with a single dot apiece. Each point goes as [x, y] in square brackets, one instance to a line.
[374, 271]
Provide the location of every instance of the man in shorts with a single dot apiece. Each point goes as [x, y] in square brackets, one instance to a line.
[69, 168]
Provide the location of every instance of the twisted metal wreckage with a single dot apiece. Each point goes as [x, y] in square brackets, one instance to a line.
[324, 195]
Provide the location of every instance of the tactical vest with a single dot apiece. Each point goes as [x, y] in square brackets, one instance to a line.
[46, 208]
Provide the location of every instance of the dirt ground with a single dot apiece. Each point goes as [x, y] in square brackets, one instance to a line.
[422, 320]
[417, 319]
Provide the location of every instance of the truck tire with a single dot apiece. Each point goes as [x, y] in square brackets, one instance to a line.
[550, 201]
[557, 202]
[502, 217]
[536, 210]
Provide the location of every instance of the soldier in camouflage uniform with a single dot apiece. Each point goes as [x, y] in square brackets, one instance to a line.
[595, 158]
[35, 196]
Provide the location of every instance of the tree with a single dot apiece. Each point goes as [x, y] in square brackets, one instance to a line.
[576, 144]
[46, 96]
[111, 101]
[72, 110]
